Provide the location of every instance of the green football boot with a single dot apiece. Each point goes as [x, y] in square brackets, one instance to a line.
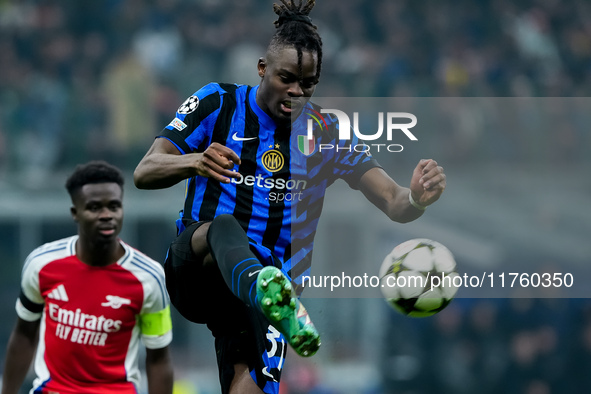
[285, 312]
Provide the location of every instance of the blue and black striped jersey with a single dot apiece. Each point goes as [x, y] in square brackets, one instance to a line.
[279, 195]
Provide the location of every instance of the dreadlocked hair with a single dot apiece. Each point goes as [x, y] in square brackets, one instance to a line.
[295, 28]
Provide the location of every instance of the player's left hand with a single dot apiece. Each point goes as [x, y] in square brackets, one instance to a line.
[428, 182]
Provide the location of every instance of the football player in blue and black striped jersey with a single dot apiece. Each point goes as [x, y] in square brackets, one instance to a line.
[255, 188]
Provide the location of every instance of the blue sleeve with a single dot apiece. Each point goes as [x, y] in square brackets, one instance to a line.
[352, 160]
[191, 129]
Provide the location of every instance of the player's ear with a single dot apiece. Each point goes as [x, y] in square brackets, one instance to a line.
[262, 66]
[74, 213]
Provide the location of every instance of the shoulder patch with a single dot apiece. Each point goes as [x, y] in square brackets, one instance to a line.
[189, 105]
[177, 124]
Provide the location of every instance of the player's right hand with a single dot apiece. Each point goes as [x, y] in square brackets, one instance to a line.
[217, 162]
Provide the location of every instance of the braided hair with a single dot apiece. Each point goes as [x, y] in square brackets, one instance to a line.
[295, 28]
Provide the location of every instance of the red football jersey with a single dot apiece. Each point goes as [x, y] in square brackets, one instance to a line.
[93, 318]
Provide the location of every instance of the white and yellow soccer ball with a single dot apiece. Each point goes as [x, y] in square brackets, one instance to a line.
[417, 277]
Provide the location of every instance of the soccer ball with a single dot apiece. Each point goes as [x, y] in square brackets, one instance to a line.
[417, 277]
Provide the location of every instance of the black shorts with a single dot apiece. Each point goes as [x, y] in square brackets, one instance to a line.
[241, 334]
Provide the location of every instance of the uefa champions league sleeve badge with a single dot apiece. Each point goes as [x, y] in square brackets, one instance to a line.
[189, 105]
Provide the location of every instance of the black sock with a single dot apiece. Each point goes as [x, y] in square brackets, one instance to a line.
[229, 247]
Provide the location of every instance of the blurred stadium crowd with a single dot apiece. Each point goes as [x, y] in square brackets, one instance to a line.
[516, 346]
[98, 79]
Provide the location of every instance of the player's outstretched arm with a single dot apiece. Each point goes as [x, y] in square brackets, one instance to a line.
[426, 185]
[159, 371]
[19, 354]
[164, 166]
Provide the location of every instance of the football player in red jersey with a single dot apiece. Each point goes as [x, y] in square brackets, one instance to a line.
[86, 302]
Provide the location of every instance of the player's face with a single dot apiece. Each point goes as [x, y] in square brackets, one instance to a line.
[98, 210]
[284, 88]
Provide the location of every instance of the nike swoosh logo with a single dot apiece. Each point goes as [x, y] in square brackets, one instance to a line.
[266, 372]
[253, 273]
[236, 138]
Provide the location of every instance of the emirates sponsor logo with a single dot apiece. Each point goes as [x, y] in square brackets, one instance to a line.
[82, 328]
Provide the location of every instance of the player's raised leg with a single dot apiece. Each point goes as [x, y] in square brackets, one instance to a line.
[230, 248]
[265, 288]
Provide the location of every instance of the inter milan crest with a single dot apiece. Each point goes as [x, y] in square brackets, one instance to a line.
[305, 145]
[273, 160]
[189, 105]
